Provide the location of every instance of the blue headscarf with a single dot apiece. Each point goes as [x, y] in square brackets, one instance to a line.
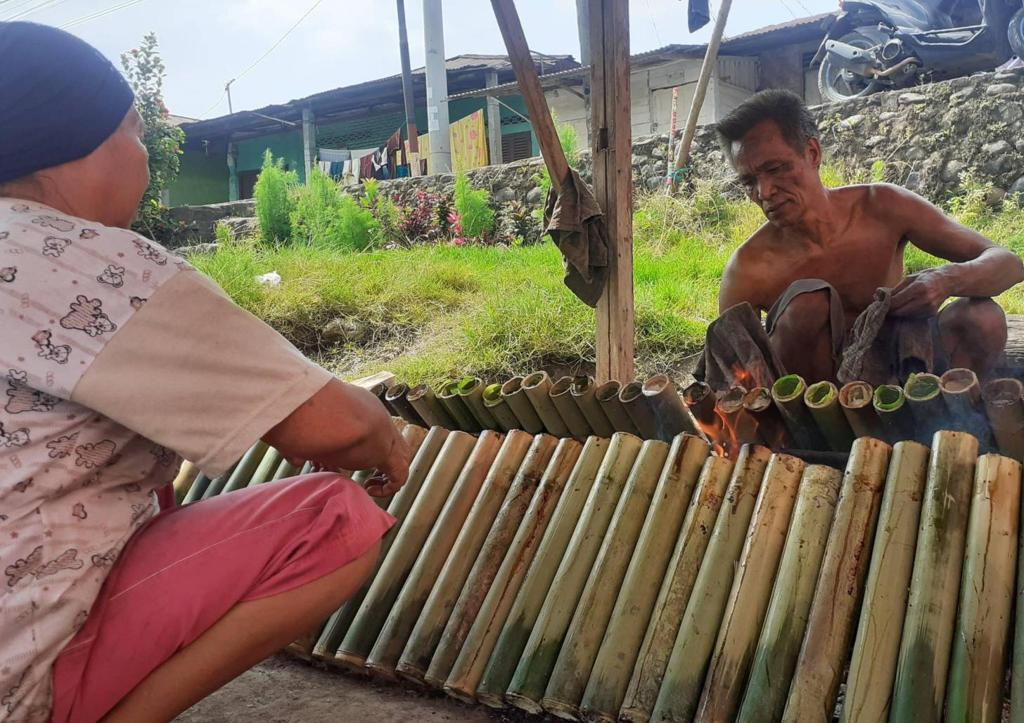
[59, 98]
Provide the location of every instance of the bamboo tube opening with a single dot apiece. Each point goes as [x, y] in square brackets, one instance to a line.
[607, 391]
[758, 399]
[417, 392]
[1003, 392]
[534, 380]
[492, 395]
[396, 392]
[581, 385]
[856, 395]
[732, 401]
[512, 386]
[467, 385]
[820, 395]
[922, 387]
[656, 384]
[788, 388]
[561, 387]
[631, 392]
[958, 381]
[889, 398]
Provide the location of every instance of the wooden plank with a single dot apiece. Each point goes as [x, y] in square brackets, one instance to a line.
[385, 378]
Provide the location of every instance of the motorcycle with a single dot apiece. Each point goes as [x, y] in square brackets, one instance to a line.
[875, 45]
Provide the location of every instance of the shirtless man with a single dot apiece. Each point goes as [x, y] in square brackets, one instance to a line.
[822, 248]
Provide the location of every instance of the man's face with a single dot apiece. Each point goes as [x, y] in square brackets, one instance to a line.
[775, 176]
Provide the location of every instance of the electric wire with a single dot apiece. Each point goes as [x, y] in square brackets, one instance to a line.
[22, 11]
[99, 14]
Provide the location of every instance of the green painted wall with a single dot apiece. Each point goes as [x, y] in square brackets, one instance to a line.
[203, 179]
[286, 145]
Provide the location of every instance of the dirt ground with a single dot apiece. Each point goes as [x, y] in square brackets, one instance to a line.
[286, 690]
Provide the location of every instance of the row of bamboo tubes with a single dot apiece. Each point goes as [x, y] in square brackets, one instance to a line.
[623, 579]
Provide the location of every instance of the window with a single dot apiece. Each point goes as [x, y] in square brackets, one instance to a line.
[516, 146]
[247, 183]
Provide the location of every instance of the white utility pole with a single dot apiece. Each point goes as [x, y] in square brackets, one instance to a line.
[437, 88]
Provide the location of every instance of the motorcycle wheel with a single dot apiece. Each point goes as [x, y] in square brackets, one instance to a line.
[1016, 33]
[834, 84]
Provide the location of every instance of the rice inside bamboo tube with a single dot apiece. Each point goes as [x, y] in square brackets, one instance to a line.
[639, 409]
[538, 390]
[583, 390]
[961, 393]
[920, 688]
[541, 651]
[822, 399]
[538, 552]
[515, 397]
[788, 393]
[675, 589]
[499, 408]
[460, 458]
[893, 412]
[691, 651]
[856, 400]
[471, 392]
[877, 645]
[671, 414]
[1004, 405]
[397, 397]
[840, 585]
[762, 410]
[786, 619]
[582, 640]
[428, 406]
[466, 518]
[924, 397]
[981, 641]
[607, 396]
[448, 394]
[568, 410]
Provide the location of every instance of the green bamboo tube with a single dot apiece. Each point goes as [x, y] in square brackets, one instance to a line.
[428, 406]
[856, 399]
[515, 397]
[307, 467]
[628, 622]
[471, 392]
[284, 470]
[499, 408]
[672, 415]
[401, 503]
[1005, 410]
[607, 396]
[788, 394]
[499, 502]
[541, 651]
[961, 393]
[568, 409]
[759, 405]
[183, 481]
[448, 394]
[480, 492]
[195, 492]
[893, 412]
[675, 590]
[751, 590]
[449, 470]
[975, 690]
[822, 399]
[582, 640]
[837, 594]
[924, 397]
[488, 596]
[691, 651]
[786, 619]
[539, 550]
[925, 647]
[268, 465]
[877, 645]
[397, 397]
[584, 390]
[639, 409]
[242, 473]
[538, 389]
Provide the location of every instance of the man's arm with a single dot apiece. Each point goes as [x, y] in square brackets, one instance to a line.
[738, 283]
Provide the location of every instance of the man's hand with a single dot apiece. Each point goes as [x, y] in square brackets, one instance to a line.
[920, 294]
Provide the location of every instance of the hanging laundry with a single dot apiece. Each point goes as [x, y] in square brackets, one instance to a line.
[336, 155]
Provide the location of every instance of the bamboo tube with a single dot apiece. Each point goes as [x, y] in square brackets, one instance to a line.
[856, 400]
[515, 397]
[582, 640]
[268, 465]
[502, 508]
[183, 481]
[751, 590]
[396, 396]
[534, 557]
[822, 399]
[583, 391]
[975, 690]
[448, 471]
[672, 415]
[195, 492]
[770, 427]
[428, 406]
[700, 400]
[893, 412]
[448, 394]
[735, 418]
[511, 559]
[1005, 410]
[639, 409]
[920, 687]
[961, 393]
[499, 408]
[538, 387]
[284, 470]
[788, 394]
[607, 396]
[466, 518]
[786, 619]
[614, 663]
[837, 594]
[242, 473]
[568, 410]
[307, 467]
[684, 673]
[924, 397]
[414, 434]
[877, 645]
[541, 651]
[471, 392]
[675, 591]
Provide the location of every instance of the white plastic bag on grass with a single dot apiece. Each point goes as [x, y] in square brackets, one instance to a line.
[271, 279]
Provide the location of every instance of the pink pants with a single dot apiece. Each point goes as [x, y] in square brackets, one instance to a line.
[185, 569]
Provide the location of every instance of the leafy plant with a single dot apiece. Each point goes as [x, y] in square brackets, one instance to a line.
[314, 219]
[357, 229]
[420, 222]
[475, 214]
[223, 234]
[274, 203]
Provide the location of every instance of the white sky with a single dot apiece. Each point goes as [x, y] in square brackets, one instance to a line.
[205, 43]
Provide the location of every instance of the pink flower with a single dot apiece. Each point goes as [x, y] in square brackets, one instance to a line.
[458, 241]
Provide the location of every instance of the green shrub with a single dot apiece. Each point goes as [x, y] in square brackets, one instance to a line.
[314, 219]
[475, 214]
[273, 194]
[356, 227]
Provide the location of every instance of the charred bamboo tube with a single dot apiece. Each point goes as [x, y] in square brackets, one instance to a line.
[975, 690]
[670, 412]
[700, 400]
[877, 645]
[856, 400]
[397, 397]
[823, 401]
[607, 396]
[735, 417]
[837, 594]
[893, 413]
[924, 396]
[534, 559]
[538, 390]
[788, 394]
[447, 472]
[471, 392]
[583, 391]
[448, 394]
[488, 616]
[268, 465]
[515, 396]
[500, 409]
[541, 651]
[684, 673]
[184, 480]
[1005, 409]
[770, 427]
[590, 621]
[639, 409]
[786, 619]
[243, 471]
[568, 410]
[450, 548]
[751, 590]
[961, 393]
[195, 492]
[449, 612]
[920, 687]
[613, 666]
[428, 406]
[675, 591]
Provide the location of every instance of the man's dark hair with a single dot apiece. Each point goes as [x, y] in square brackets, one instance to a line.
[784, 107]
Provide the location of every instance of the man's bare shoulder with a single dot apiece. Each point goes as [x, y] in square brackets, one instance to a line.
[878, 199]
[757, 248]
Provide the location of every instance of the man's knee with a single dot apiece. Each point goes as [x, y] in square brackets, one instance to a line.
[806, 314]
[981, 322]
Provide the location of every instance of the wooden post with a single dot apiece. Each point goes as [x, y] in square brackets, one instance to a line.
[407, 93]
